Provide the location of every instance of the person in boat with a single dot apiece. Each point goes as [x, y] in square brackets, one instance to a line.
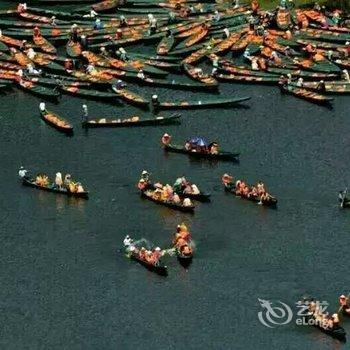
[79, 188]
[68, 64]
[140, 74]
[214, 148]
[226, 33]
[246, 53]
[31, 70]
[344, 303]
[176, 198]
[127, 241]
[120, 84]
[216, 16]
[22, 7]
[346, 76]
[122, 54]
[22, 173]
[283, 4]
[198, 71]
[283, 80]
[254, 64]
[42, 180]
[122, 22]
[236, 4]
[74, 33]
[153, 26]
[31, 53]
[90, 68]
[171, 17]
[58, 180]
[300, 82]
[264, 197]
[24, 45]
[187, 202]
[166, 138]
[155, 101]
[53, 21]
[118, 35]
[145, 175]
[226, 179]
[195, 189]
[67, 180]
[142, 185]
[92, 13]
[98, 24]
[321, 86]
[255, 7]
[142, 253]
[157, 254]
[260, 187]
[83, 42]
[36, 32]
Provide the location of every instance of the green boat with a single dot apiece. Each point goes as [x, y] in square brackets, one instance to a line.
[200, 104]
[92, 94]
[38, 90]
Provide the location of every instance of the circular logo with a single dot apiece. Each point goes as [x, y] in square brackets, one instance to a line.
[273, 315]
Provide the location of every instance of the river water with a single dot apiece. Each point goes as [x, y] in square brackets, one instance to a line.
[66, 285]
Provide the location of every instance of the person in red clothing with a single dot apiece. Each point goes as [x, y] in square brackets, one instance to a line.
[255, 7]
[36, 32]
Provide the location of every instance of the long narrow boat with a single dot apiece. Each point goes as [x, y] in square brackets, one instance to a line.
[53, 188]
[248, 79]
[329, 87]
[133, 121]
[73, 49]
[159, 268]
[222, 155]
[173, 84]
[148, 194]
[165, 45]
[44, 44]
[337, 332]
[131, 97]
[201, 104]
[271, 202]
[54, 120]
[203, 78]
[94, 94]
[200, 197]
[39, 90]
[283, 19]
[306, 94]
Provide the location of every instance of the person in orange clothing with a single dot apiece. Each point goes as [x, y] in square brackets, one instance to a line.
[36, 32]
[255, 7]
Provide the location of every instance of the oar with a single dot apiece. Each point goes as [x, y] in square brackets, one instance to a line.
[343, 199]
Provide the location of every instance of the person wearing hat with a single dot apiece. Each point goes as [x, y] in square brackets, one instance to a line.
[127, 241]
[140, 74]
[321, 86]
[122, 22]
[157, 254]
[53, 21]
[154, 103]
[346, 75]
[118, 34]
[36, 32]
[145, 175]
[98, 24]
[142, 185]
[58, 180]
[122, 54]
[22, 172]
[166, 138]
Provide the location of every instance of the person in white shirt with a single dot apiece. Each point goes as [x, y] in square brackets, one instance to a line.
[22, 172]
[195, 189]
[140, 74]
[58, 180]
[31, 53]
[187, 202]
[90, 68]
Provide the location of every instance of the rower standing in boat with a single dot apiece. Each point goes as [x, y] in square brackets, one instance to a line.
[154, 103]
[98, 24]
[141, 75]
[166, 138]
[145, 175]
[122, 22]
[85, 115]
[346, 76]
[171, 17]
[58, 180]
[74, 35]
[22, 173]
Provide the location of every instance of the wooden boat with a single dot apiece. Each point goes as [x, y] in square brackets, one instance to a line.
[56, 121]
[222, 155]
[39, 90]
[53, 188]
[271, 202]
[184, 259]
[306, 94]
[165, 45]
[329, 87]
[193, 39]
[148, 194]
[105, 5]
[201, 104]
[173, 84]
[248, 79]
[283, 19]
[131, 97]
[73, 49]
[337, 332]
[301, 73]
[94, 94]
[133, 121]
[44, 44]
[160, 269]
[200, 197]
[203, 78]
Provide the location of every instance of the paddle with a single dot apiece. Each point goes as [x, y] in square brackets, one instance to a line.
[344, 196]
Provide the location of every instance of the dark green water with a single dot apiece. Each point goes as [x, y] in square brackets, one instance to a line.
[64, 285]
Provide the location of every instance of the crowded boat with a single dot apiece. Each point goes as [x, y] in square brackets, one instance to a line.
[182, 243]
[256, 193]
[64, 185]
